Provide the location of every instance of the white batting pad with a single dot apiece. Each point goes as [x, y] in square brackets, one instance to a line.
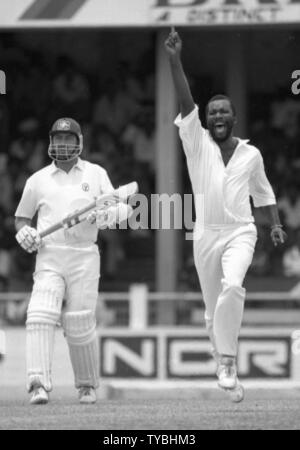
[80, 330]
[42, 317]
[39, 354]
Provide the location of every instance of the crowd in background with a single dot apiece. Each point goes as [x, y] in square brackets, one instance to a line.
[277, 135]
[118, 122]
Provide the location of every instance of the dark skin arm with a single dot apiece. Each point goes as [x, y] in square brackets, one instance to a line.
[278, 236]
[173, 46]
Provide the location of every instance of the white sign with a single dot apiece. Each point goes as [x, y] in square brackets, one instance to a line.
[184, 357]
[257, 358]
[269, 357]
[145, 13]
[225, 12]
[296, 342]
[181, 366]
[128, 357]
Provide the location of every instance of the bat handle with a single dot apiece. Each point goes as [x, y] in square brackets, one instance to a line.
[173, 29]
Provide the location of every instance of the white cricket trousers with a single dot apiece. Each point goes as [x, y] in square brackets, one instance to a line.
[222, 257]
[73, 272]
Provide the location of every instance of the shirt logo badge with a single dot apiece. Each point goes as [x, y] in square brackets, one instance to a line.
[85, 187]
[64, 124]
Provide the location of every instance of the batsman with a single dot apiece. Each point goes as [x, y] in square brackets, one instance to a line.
[67, 262]
[224, 171]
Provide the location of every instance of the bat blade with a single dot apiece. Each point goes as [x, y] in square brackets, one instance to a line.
[127, 190]
[120, 194]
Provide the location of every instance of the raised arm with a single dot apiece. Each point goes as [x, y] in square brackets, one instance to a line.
[173, 47]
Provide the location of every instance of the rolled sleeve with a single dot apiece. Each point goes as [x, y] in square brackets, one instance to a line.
[260, 188]
[190, 131]
[28, 204]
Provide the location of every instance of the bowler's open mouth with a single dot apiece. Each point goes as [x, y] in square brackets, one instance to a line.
[220, 127]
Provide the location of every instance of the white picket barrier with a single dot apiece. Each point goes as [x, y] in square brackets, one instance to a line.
[138, 298]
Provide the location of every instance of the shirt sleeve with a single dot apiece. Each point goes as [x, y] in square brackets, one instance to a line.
[28, 204]
[260, 188]
[106, 184]
[191, 131]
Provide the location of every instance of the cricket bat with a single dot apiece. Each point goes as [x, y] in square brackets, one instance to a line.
[122, 194]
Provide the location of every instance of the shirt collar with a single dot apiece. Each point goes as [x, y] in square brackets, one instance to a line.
[79, 165]
[242, 142]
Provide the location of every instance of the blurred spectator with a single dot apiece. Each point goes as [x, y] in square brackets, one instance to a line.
[87, 132]
[110, 242]
[6, 245]
[139, 137]
[31, 90]
[132, 84]
[104, 148]
[4, 123]
[6, 186]
[291, 258]
[289, 206]
[285, 113]
[115, 107]
[71, 93]
[261, 264]
[29, 150]
[140, 86]
[107, 151]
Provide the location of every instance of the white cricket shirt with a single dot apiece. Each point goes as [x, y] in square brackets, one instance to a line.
[222, 193]
[53, 194]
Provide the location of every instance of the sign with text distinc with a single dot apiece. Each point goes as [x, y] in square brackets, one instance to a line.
[225, 12]
[146, 13]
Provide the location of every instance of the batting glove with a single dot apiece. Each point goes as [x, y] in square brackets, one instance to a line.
[29, 239]
[103, 218]
[109, 217]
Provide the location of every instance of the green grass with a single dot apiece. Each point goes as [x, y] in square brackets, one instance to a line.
[261, 410]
